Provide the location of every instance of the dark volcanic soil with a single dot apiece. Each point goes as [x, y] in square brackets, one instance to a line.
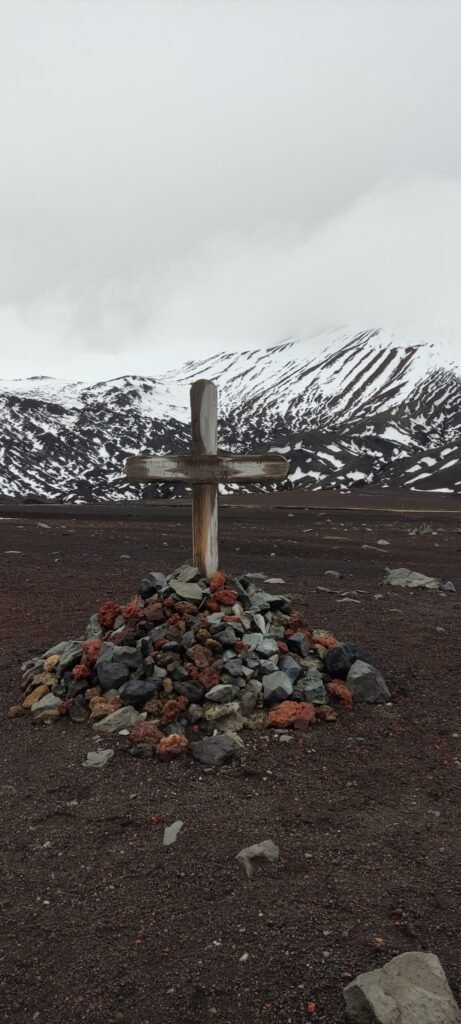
[102, 924]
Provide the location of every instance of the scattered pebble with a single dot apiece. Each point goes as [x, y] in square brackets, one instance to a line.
[171, 833]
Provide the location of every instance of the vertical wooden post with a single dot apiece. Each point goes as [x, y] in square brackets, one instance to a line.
[204, 411]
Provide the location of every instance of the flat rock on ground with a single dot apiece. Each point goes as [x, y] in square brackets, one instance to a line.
[101, 922]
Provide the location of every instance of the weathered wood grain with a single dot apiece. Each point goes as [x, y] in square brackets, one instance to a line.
[207, 469]
[204, 470]
[204, 412]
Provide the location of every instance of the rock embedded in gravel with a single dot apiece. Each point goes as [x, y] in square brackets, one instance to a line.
[215, 750]
[410, 989]
[267, 850]
[171, 833]
[98, 758]
[367, 684]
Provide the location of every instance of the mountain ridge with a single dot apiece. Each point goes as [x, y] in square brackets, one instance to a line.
[348, 408]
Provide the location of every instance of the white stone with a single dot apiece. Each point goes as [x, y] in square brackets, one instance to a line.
[410, 989]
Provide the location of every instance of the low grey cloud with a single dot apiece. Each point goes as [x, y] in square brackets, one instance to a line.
[182, 177]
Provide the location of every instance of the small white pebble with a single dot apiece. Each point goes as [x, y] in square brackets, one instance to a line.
[244, 958]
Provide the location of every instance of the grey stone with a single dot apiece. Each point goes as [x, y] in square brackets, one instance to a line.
[187, 574]
[254, 686]
[123, 718]
[215, 750]
[171, 833]
[93, 630]
[137, 691]
[174, 729]
[291, 667]
[105, 653]
[409, 578]
[312, 688]
[267, 850]
[98, 758]
[339, 659]
[274, 579]
[251, 640]
[333, 572]
[46, 703]
[129, 656]
[247, 702]
[367, 684]
[70, 652]
[222, 693]
[277, 681]
[268, 665]
[215, 618]
[410, 989]
[225, 637]
[191, 689]
[188, 591]
[234, 667]
[141, 750]
[299, 644]
[152, 584]
[194, 713]
[276, 632]
[267, 646]
[112, 676]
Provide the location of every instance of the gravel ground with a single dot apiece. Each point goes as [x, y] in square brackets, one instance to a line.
[101, 923]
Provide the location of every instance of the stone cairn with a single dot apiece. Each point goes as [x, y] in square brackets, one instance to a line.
[190, 662]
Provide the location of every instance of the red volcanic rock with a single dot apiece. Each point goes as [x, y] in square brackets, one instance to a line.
[171, 747]
[81, 672]
[107, 614]
[91, 650]
[225, 596]
[132, 609]
[145, 732]
[201, 656]
[171, 710]
[339, 690]
[217, 581]
[208, 678]
[326, 641]
[288, 713]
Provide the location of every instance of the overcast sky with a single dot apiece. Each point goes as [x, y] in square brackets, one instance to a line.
[181, 177]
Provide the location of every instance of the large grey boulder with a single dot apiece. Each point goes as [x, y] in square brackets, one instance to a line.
[410, 989]
[367, 684]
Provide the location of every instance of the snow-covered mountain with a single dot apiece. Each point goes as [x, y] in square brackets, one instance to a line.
[346, 408]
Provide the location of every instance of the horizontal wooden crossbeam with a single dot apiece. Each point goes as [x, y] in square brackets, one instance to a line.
[207, 469]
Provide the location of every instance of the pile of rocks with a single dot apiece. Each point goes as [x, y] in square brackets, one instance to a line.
[189, 662]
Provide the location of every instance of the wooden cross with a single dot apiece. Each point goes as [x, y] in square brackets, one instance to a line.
[204, 469]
